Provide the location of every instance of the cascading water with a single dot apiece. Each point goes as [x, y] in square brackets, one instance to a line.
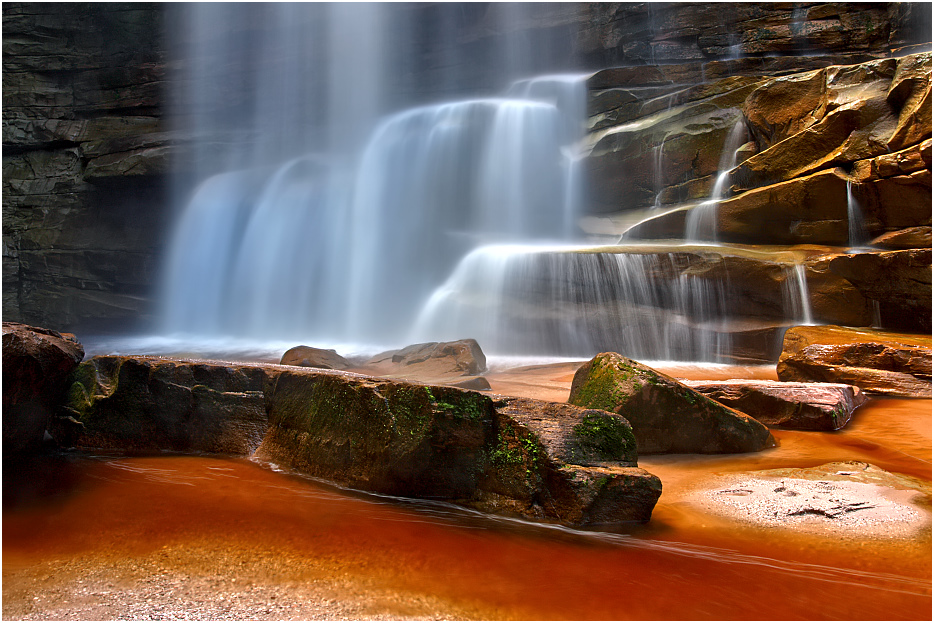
[375, 230]
[346, 241]
[701, 222]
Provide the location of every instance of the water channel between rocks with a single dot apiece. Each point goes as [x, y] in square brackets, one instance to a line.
[170, 536]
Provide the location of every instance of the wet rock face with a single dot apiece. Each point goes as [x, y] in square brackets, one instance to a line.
[900, 281]
[797, 406]
[36, 364]
[154, 404]
[666, 416]
[84, 158]
[877, 362]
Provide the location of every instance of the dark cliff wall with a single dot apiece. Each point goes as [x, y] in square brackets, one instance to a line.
[86, 151]
[84, 162]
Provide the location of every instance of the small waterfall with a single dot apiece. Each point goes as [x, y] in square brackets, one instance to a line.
[858, 237]
[796, 297]
[657, 153]
[701, 222]
[533, 299]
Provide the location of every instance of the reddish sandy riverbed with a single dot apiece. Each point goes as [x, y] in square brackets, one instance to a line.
[175, 537]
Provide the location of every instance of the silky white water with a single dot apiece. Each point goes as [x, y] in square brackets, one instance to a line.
[326, 215]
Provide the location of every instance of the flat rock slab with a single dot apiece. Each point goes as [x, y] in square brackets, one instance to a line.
[878, 362]
[666, 415]
[847, 499]
[798, 406]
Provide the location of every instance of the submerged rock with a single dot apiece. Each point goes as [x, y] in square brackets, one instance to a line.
[798, 406]
[846, 499]
[36, 364]
[666, 416]
[878, 362]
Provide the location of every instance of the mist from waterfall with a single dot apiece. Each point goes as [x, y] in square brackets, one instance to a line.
[332, 206]
[322, 213]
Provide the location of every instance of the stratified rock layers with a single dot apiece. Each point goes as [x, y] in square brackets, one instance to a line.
[878, 362]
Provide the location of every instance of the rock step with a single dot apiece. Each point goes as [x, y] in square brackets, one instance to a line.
[878, 362]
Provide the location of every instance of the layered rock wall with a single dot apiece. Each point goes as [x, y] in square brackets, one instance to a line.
[85, 159]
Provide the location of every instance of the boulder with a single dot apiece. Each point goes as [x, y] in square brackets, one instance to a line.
[798, 406]
[520, 457]
[36, 364]
[311, 357]
[878, 362]
[434, 362]
[666, 416]
[156, 404]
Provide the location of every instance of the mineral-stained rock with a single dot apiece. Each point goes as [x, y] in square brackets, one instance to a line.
[311, 357]
[36, 364]
[877, 362]
[799, 406]
[521, 457]
[150, 403]
[666, 416]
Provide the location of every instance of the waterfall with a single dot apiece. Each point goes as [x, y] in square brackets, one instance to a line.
[348, 244]
[541, 299]
[856, 225]
[701, 222]
[796, 297]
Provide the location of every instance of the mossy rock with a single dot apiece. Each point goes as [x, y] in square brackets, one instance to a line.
[153, 404]
[385, 436]
[666, 416]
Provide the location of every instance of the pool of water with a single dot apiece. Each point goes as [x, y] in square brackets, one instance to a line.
[268, 526]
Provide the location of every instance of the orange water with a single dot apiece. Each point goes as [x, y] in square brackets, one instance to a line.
[682, 565]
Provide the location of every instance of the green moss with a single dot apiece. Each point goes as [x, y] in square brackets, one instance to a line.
[607, 435]
[602, 391]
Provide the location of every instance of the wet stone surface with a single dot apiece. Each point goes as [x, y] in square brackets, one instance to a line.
[855, 499]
